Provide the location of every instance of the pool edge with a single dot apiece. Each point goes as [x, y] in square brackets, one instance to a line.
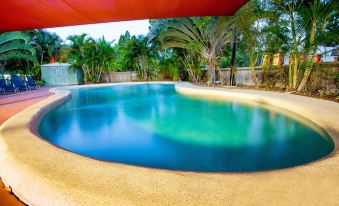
[16, 166]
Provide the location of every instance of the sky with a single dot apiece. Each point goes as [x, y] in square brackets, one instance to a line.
[111, 31]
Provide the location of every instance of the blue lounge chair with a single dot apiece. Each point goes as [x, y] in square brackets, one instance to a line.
[19, 84]
[31, 83]
[5, 87]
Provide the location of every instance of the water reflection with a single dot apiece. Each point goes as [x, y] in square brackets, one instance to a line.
[153, 126]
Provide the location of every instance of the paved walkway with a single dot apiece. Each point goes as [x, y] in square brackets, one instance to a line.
[10, 105]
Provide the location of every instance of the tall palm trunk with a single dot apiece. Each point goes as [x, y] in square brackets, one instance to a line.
[211, 70]
[233, 60]
[253, 61]
[42, 57]
[295, 66]
[311, 53]
[290, 69]
[310, 57]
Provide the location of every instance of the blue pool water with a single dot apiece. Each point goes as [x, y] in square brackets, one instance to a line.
[152, 125]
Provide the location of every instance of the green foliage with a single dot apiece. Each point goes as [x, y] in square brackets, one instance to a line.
[15, 45]
[139, 55]
[205, 36]
[193, 64]
[34, 71]
[92, 56]
[224, 62]
[47, 45]
[168, 66]
[178, 48]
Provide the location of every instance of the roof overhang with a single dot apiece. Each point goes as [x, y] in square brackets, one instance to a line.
[35, 14]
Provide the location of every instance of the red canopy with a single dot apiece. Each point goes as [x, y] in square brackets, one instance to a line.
[34, 14]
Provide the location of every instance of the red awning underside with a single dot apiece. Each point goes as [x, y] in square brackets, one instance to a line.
[35, 14]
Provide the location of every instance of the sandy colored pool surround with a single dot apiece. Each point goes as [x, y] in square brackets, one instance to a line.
[40, 173]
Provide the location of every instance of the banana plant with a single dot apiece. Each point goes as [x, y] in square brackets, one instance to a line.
[16, 45]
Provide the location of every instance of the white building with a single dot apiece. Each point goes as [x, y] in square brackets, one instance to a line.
[325, 53]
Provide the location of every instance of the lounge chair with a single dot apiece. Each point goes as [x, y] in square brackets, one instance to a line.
[19, 84]
[5, 87]
[31, 83]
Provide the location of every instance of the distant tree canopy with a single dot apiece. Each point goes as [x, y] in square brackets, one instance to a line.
[181, 48]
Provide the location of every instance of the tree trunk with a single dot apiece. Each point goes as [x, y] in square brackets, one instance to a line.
[311, 55]
[233, 60]
[295, 67]
[290, 80]
[42, 58]
[306, 76]
[253, 62]
[181, 72]
[254, 77]
[211, 70]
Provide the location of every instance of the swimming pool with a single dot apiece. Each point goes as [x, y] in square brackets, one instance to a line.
[152, 125]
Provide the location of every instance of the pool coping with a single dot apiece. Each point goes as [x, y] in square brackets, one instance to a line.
[42, 174]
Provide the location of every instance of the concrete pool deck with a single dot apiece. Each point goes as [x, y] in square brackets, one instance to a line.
[42, 174]
[10, 104]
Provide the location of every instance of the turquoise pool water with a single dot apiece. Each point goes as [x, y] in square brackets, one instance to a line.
[152, 125]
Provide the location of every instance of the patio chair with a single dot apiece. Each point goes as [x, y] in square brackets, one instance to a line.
[31, 83]
[19, 84]
[5, 87]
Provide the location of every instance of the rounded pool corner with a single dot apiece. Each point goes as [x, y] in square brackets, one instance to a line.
[153, 125]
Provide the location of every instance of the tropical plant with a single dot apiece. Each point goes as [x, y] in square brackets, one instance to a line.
[47, 44]
[16, 45]
[122, 49]
[205, 36]
[192, 62]
[92, 56]
[289, 9]
[252, 16]
[315, 14]
[140, 54]
[168, 65]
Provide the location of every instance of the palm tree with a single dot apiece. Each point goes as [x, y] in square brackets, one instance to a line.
[92, 56]
[315, 14]
[250, 18]
[206, 36]
[140, 54]
[47, 44]
[99, 57]
[77, 53]
[307, 21]
[290, 9]
[16, 45]
[107, 54]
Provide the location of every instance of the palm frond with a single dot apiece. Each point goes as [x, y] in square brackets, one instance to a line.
[180, 27]
[175, 44]
[175, 34]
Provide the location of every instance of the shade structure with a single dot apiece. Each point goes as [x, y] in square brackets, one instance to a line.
[35, 14]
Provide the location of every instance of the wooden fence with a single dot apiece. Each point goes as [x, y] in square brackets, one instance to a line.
[243, 76]
[324, 76]
[119, 76]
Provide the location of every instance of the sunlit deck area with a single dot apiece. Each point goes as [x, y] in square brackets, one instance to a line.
[313, 182]
[9, 106]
